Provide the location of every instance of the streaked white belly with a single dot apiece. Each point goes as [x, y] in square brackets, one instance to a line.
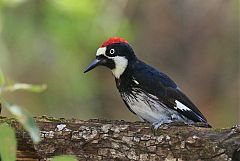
[149, 108]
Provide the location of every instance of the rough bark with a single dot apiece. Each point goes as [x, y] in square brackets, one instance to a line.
[120, 140]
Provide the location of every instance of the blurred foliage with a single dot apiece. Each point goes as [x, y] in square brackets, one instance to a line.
[52, 41]
[25, 119]
[2, 79]
[8, 146]
[18, 112]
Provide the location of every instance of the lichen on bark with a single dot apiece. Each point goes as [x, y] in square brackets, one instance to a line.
[120, 140]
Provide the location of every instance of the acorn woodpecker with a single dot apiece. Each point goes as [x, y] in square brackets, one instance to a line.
[147, 92]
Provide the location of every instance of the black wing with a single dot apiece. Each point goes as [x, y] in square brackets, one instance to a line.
[178, 101]
[160, 85]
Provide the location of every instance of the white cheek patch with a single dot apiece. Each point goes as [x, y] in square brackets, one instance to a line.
[120, 62]
[101, 51]
[120, 65]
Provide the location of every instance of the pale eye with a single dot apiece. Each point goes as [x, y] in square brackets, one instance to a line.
[112, 51]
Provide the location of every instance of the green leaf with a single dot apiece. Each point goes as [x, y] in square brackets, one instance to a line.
[12, 3]
[26, 87]
[25, 119]
[2, 78]
[8, 143]
[64, 158]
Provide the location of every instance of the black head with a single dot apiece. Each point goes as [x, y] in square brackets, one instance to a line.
[115, 54]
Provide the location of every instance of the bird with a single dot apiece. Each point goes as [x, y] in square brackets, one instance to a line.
[147, 92]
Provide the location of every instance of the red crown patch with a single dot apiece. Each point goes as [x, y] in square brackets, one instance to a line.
[113, 40]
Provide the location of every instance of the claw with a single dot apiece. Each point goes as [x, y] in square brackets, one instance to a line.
[156, 125]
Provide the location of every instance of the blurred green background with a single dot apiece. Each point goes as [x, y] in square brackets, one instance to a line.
[52, 41]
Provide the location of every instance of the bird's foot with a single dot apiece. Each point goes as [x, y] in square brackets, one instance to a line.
[156, 125]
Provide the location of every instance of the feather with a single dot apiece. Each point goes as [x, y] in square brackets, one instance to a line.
[165, 90]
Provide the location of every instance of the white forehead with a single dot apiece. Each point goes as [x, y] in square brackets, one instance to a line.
[101, 51]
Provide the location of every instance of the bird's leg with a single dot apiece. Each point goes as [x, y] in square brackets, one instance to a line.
[171, 119]
[156, 125]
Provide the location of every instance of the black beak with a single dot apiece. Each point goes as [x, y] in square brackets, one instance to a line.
[91, 66]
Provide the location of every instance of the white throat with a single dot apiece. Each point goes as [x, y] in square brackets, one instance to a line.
[120, 66]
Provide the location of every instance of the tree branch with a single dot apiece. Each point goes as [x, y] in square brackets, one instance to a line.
[120, 140]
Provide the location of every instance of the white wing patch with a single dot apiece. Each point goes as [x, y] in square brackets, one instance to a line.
[181, 106]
